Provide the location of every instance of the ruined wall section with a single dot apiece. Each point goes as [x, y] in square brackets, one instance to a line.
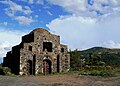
[26, 53]
[12, 59]
[15, 59]
[65, 58]
[40, 38]
[36, 47]
[7, 60]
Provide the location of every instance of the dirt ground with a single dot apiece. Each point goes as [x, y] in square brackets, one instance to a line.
[59, 80]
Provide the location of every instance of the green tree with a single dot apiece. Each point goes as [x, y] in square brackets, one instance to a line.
[93, 59]
[75, 60]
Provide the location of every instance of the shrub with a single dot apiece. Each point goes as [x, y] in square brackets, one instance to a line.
[97, 71]
[104, 73]
[5, 71]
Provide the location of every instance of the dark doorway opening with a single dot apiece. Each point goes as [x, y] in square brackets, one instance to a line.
[47, 66]
[47, 46]
[34, 63]
[58, 63]
[29, 67]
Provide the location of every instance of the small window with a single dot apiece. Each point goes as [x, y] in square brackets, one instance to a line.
[62, 50]
[30, 48]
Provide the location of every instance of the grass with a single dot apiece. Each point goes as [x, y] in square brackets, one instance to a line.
[96, 71]
[104, 73]
[91, 70]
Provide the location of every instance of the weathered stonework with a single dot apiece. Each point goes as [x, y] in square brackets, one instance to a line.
[39, 52]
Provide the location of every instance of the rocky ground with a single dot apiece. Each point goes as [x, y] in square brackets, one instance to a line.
[59, 80]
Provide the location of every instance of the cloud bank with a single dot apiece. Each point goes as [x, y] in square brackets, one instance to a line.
[85, 32]
[88, 8]
[8, 39]
[91, 23]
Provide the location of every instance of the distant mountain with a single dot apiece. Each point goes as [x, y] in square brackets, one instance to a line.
[109, 56]
[101, 50]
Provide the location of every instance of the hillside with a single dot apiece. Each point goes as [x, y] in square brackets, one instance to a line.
[109, 56]
[100, 50]
[96, 56]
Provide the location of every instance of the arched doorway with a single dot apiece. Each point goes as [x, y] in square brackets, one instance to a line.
[29, 67]
[47, 66]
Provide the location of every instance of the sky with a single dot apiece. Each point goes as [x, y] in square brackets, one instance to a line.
[81, 24]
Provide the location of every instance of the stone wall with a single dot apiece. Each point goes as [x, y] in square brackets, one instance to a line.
[40, 52]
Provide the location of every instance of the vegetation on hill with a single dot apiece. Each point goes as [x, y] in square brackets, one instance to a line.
[97, 56]
[95, 61]
[110, 57]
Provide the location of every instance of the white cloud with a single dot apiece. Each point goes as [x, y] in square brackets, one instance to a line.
[27, 10]
[75, 7]
[4, 47]
[81, 7]
[30, 1]
[13, 7]
[111, 44]
[40, 2]
[34, 1]
[9, 38]
[85, 32]
[77, 32]
[24, 20]
[12, 10]
[89, 25]
[36, 16]
[4, 23]
[49, 13]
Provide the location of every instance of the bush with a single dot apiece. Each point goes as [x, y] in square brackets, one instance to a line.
[97, 72]
[98, 68]
[5, 71]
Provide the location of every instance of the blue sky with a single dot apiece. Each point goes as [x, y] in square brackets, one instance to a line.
[82, 24]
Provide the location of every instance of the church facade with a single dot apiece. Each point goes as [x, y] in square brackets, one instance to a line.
[39, 52]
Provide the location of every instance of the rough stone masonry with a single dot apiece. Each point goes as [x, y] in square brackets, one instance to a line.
[39, 52]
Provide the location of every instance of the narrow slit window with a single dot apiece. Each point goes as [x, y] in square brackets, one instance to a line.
[62, 50]
[30, 48]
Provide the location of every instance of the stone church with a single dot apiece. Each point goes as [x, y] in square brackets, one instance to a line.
[39, 52]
